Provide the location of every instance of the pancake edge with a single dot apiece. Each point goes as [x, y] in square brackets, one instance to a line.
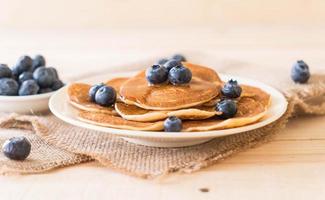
[158, 126]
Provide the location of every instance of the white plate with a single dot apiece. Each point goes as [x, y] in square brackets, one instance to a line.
[62, 109]
[25, 104]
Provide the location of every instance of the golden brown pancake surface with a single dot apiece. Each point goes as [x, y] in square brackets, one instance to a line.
[207, 110]
[250, 110]
[78, 96]
[134, 113]
[146, 106]
[204, 86]
[247, 91]
[111, 121]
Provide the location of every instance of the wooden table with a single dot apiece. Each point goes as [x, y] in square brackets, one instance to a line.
[292, 166]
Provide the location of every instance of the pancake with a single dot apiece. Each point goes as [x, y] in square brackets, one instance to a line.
[107, 120]
[134, 113]
[204, 86]
[78, 96]
[116, 84]
[207, 110]
[250, 110]
[247, 91]
[203, 73]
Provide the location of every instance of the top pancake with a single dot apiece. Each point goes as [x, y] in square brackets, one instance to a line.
[204, 86]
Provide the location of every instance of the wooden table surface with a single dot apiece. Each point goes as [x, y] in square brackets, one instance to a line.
[292, 166]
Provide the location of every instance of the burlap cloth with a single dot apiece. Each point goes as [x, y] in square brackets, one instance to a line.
[57, 144]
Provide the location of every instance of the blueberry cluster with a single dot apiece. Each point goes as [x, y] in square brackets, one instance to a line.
[102, 94]
[170, 70]
[227, 106]
[28, 77]
[16, 148]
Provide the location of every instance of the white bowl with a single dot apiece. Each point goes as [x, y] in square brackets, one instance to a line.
[25, 104]
[62, 109]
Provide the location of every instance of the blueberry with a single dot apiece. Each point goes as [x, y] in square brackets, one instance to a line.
[44, 90]
[179, 75]
[171, 63]
[162, 61]
[25, 76]
[24, 64]
[105, 96]
[44, 77]
[57, 84]
[179, 57]
[8, 87]
[92, 91]
[16, 148]
[28, 87]
[5, 71]
[227, 107]
[173, 124]
[231, 89]
[300, 72]
[54, 72]
[38, 61]
[156, 74]
[15, 72]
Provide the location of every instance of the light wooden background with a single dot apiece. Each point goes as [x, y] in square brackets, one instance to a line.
[40, 14]
[79, 37]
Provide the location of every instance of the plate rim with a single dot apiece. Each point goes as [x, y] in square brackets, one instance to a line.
[170, 135]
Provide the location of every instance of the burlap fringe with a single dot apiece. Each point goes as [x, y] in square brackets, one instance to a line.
[47, 157]
[305, 97]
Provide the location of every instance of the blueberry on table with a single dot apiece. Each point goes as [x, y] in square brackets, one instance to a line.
[173, 124]
[105, 96]
[38, 61]
[8, 87]
[162, 61]
[227, 108]
[44, 77]
[25, 76]
[156, 74]
[231, 89]
[28, 87]
[171, 63]
[300, 72]
[179, 75]
[179, 57]
[5, 71]
[92, 91]
[16, 148]
[44, 90]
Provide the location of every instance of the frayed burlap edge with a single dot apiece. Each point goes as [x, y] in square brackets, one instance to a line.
[64, 159]
[302, 97]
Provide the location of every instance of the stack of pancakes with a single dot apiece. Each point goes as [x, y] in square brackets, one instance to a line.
[141, 106]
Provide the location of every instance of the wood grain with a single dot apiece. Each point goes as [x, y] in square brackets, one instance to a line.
[290, 167]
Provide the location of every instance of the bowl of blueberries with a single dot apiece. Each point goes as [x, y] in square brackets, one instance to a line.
[27, 86]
